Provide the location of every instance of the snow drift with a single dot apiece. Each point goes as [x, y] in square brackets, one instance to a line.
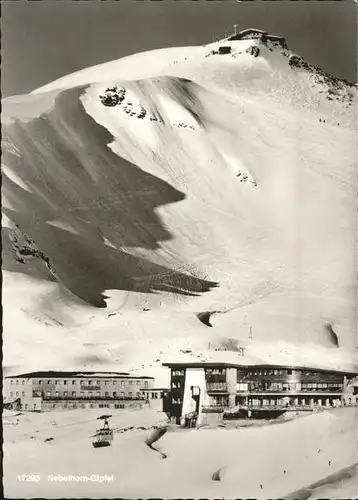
[306, 450]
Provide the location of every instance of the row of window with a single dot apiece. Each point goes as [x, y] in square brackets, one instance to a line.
[322, 386]
[17, 394]
[215, 371]
[279, 372]
[74, 405]
[220, 400]
[86, 382]
[270, 372]
[82, 405]
[292, 387]
[91, 393]
[297, 402]
[178, 373]
[216, 386]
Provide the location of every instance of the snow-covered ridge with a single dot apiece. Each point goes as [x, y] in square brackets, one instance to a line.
[193, 192]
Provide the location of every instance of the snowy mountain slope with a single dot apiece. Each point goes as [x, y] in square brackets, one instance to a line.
[187, 193]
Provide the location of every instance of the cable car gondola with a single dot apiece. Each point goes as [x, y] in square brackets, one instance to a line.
[103, 436]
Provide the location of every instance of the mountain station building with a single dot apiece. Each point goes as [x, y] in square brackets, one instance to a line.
[56, 390]
[214, 389]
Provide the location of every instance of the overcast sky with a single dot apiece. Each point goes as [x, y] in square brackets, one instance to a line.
[45, 40]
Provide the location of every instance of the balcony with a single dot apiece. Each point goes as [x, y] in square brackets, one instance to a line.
[92, 398]
[289, 390]
[215, 377]
[307, 407]
[216, 387]
[214, 409]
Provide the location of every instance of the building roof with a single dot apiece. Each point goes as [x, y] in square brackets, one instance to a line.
[223, 364]
[77, 374]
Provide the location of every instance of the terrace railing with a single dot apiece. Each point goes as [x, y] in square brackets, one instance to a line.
[216, 387]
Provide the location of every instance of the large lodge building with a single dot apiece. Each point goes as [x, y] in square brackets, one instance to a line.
[213, 389]
[50, 390]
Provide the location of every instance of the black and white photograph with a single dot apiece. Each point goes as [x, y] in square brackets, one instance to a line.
[179, 249]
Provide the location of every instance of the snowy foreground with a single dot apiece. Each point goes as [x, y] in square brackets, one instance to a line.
[270, 461]
[224, 184]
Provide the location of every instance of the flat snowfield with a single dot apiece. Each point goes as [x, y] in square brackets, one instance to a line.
[271, 461]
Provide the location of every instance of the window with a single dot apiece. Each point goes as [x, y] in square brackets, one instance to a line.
[289, 372]
[275, 372]
[17, 393]
[146, 384]
[65, 382]
[23, 394]
[91, 405]
[57, 382]
[122, 382]
[114, 394]
[17, 382]
[138, 382]
[23, 382]
[48, 393]
[35, 406]
[49, 381]
[11, 394]
[130, 394]
[98, 394]
[25, 406]
[122, 394]
[131, 381]
[53, 406]
[73, 382]
[106, 382]
[90, 382]
[65, 393]
[65, 405]
[82, 394]
[98, 382]
[73, 394]
[11, 382]
[57, 394]
[90, 394]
